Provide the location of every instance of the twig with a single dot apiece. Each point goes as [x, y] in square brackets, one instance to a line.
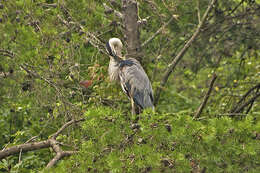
[157, 32]
[89, 37]
[198, 9]
[7, 53]
[54, 136]
[179, 56]
[231, 114]
[110, 10]
[39, 76]
[241, 2]
[206, 97]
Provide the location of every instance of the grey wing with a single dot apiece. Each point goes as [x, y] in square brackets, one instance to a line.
[135, 83]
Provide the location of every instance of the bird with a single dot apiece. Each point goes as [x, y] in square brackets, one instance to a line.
[131, 75]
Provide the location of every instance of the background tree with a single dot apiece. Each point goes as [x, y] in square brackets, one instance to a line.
[48, 47]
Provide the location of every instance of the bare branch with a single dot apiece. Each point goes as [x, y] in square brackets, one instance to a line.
[7, 53]
[35, 74]
[59, 156]
[250, 101]
[179, 56]
[244, 97]
[42, 144]
[157, 32]
[198, 9]
[54, 136]
[206, 97]
[25, 147]
[240, 3]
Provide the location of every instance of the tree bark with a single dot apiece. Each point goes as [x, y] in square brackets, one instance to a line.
[24, 147]
[131, 29]
[52, 142]
[182, 52]
[206, 97]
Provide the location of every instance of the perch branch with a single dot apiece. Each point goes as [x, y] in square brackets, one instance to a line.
[179, 56]
[206, 97]
[25, 147]
[52, 142]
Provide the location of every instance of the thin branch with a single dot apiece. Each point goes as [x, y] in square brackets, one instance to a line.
[251, 105]
[109, 10]
[54, 136]
[241, 2]
[25, 67]
[179, 56]
[59, 156]
[231, 114]
[198, 9]
[89, 37]
[7, 53]
[244, 97]
[157, 32]
[240, 109]
[206, 97]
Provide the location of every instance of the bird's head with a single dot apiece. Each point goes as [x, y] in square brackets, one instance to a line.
[114, 48]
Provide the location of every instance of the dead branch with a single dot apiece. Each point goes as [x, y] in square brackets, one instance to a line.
[206, 97]
[25, 147]
[250, 101]
[46, 5]
[52, 142]
[59, 156]
[233, 110]
[179, 56]
[7, 53]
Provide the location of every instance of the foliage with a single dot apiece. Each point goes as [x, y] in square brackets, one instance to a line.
[47, 48]
[164, 143]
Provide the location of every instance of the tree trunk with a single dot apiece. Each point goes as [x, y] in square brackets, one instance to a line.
[131, 29]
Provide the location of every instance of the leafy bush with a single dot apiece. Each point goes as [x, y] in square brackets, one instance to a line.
[114, 142]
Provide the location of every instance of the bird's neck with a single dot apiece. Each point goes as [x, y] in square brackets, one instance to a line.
[113, 69]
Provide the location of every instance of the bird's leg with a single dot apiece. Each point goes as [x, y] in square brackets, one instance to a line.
[133, 106]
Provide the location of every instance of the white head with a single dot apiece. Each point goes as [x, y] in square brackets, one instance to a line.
[114, 47]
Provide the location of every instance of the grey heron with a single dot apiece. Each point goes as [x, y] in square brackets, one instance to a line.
[131, 75]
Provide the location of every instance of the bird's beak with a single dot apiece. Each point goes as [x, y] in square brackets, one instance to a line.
[114, 52]
[109, 49]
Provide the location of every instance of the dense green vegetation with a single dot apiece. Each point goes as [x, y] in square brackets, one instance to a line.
[47, 47]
